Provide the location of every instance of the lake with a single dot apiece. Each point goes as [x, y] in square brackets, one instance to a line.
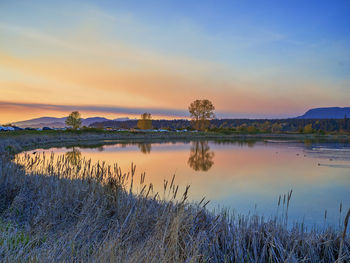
[245, 177]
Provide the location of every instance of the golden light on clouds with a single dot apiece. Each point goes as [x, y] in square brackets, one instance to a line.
[87, 62]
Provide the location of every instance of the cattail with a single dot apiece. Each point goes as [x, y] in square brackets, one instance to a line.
[289, 197]
[346, 221]
[206, 203]
[172, 181]
[279, 200]
[175, 192]
[165, 184]
[340, 211]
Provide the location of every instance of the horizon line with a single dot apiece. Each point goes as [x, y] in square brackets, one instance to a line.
[167, 113]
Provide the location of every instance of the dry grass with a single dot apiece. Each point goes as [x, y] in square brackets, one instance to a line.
[56, 210]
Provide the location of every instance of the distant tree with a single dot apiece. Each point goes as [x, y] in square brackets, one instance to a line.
[202, 111]
[99, 125]
[266, 126]
[276, 127]
[223, 125]
[308, 128]
[124, 126]
[145, 123]
[242, 127]
[345, 123]
[252, 129]
[322, 132]
[74, 120]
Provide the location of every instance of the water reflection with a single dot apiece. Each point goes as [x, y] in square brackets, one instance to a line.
[100, 149]
[73, 156]
[250, 143]
[201, 158]
[332, 152]
[245, 174]
[145, 147]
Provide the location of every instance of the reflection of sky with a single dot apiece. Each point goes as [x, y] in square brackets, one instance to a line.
[243, 176]
[333, 151]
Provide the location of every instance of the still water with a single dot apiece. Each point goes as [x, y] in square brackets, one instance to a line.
[247, 177]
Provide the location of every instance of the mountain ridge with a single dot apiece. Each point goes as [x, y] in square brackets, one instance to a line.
[326, 113]
[56, 122]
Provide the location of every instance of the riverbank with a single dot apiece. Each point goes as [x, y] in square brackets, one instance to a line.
[22, 140]
[63, 211]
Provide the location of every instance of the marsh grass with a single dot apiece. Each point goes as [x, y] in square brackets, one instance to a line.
[56, 210]
[53, 210]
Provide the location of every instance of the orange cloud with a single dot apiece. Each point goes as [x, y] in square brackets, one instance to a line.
[105, 84]
[85, 67]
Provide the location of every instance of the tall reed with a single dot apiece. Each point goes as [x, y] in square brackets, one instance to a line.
[55, 209]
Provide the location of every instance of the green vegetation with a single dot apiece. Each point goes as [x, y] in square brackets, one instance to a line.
[275, 126]
[12, 237]
[56, 209]
[20, 140]
[308, 128]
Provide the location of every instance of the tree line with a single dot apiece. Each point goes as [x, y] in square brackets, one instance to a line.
[243, 125]
[203, 119]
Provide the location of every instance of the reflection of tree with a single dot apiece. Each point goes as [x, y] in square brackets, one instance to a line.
[308, 143]
[249, 143]
[201, 158]
[145, 147]
[73, 156]
[100, 149]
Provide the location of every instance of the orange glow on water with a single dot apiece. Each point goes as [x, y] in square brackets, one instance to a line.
[233, 175]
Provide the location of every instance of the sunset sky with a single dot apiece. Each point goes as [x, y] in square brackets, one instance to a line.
[114, 59]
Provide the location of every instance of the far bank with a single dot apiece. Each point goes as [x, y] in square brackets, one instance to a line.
[17, 141]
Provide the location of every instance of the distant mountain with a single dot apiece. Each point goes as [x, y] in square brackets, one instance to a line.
[326, 113]
[53, 122]
[122, 119]
[86, 122]
[42, 122]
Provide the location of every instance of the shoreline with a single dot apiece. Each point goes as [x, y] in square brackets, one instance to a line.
[19, 141]
[82, 212]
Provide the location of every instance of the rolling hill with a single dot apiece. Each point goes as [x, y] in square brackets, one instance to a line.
[53, 122]
[326, 113]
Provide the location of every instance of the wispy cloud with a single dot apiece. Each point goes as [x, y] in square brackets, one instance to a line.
[45, 109]
[81, 55]
[93, 108]
[31, 33]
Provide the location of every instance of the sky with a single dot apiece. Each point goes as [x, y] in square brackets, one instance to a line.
[252, 59]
